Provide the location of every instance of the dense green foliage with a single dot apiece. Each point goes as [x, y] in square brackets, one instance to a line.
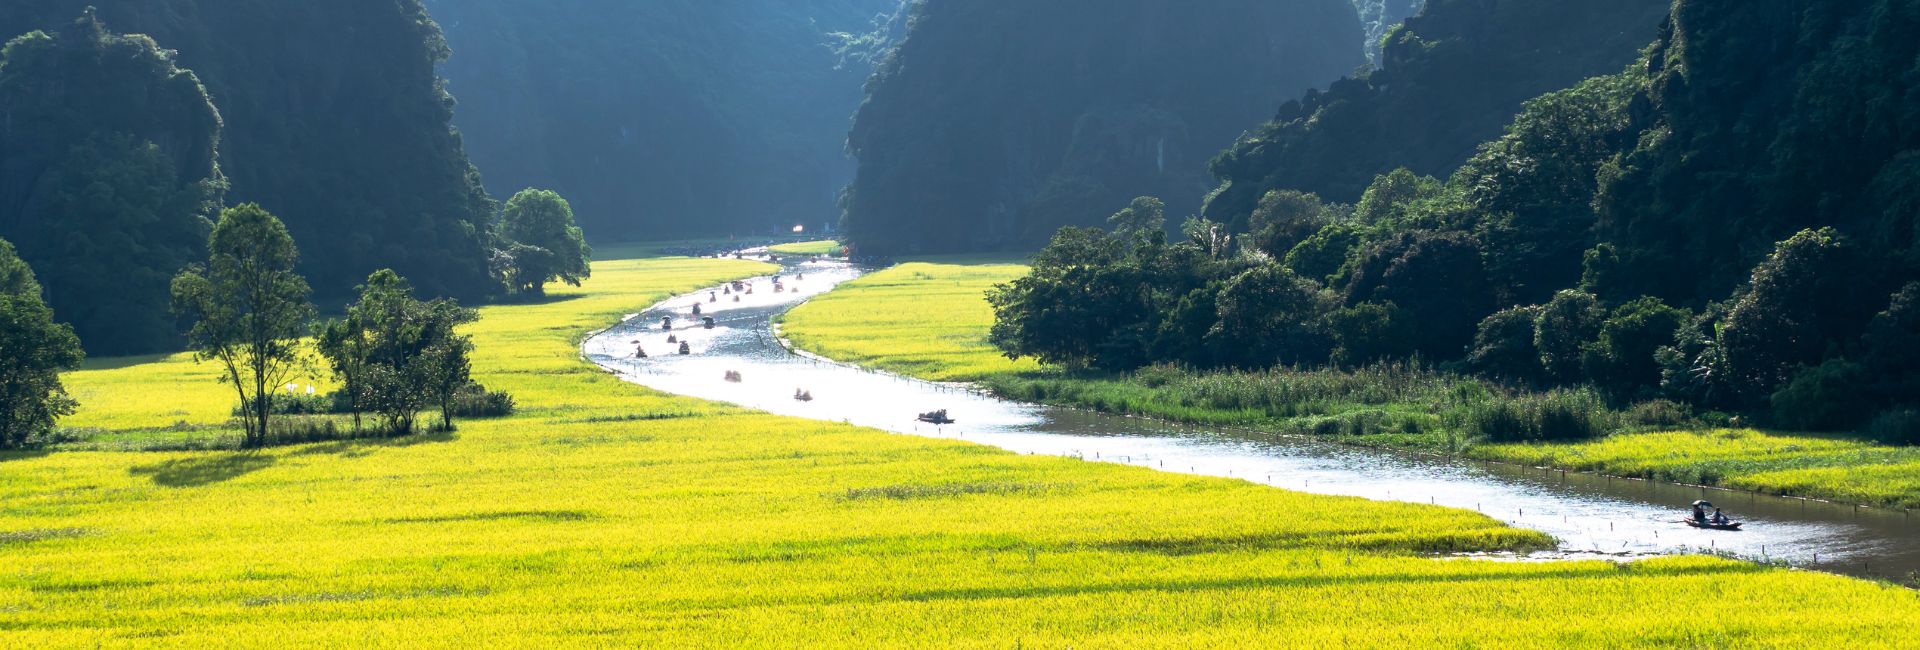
[1446, 80]
[1617, 219]
[335, 119]
[665, 118]
[540, 243]
[395, 355]
[995, 123]
[33, 351]
[108, 170]
[249, 308]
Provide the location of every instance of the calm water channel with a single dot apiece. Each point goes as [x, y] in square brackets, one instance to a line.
[1592, 516]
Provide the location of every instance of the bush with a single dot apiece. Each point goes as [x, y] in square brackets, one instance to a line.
[1832, 396]
[1561, 415]
[1897, 427]
[475, 401]
[1660, 414]
[297, 404]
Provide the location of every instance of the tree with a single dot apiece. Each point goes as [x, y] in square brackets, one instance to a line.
[447, 362]
[1503, 347]
[33, 351]
[1567, 323]
[249, 309]
[1438, 281]
[543, 244]
[1268, 315]
[1621, 358]
[395, 355]
[1803, 298]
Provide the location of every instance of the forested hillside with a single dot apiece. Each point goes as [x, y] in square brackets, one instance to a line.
[335, 119]
[663, 119]
[1728, 223]
[109, 166]
[992, 124]
[1446, 81]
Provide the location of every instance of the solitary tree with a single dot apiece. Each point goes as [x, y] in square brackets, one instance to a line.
[33, 351]
[541, 244]
[249, 308]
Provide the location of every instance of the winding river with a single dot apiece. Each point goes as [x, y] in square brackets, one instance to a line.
[1592, 516]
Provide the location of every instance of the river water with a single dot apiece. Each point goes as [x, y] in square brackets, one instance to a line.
[1592, 516]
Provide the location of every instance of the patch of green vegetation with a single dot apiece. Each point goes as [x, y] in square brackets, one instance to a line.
[828, 247]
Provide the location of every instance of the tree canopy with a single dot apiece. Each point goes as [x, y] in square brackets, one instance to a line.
[541, 243]
[249, 309]
[33, 351]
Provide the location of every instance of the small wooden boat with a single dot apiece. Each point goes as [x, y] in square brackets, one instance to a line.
[1710, 525]
[1719, 521]
[803, 395]
[734, 377]
[936, 417]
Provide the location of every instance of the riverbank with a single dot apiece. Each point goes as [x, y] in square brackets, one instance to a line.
[606, 513]
[931, 321]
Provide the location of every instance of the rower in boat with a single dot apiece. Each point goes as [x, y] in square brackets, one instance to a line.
[666, 323]
[936, 417]
[802, 395]
[733, 377]
[685, 349]
[1717, 521]
[696, 309]
[707, 322]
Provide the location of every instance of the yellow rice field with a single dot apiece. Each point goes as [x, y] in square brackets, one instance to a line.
[604, 514]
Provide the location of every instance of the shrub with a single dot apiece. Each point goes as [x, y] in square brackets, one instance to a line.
[1832, 396]
[475, 401]
[297, 404]
[1897, 427]
[1559, 415]
[1660, 413]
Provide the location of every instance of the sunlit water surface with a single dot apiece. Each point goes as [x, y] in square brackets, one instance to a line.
[1592, 516]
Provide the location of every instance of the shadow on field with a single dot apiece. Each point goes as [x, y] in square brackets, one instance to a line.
[366, 446]
[117, 363]
[540, 300]
[27, 454]
[203, 470]
[1574, 571]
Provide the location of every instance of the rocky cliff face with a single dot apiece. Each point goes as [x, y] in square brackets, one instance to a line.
[993, 124]
[667, 118]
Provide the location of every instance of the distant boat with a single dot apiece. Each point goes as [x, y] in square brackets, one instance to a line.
[1718, 521]
[936, 417]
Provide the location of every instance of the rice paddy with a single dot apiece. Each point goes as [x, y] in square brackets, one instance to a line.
[882, 321]
[607, 514]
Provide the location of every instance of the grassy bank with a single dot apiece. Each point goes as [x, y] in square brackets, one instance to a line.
[1384, 405]
[607, 514]
[828, 247]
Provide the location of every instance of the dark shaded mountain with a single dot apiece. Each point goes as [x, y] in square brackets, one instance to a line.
[995, 123]
[108, 172]
[668, 118]
[1447, 80]
[336, 121]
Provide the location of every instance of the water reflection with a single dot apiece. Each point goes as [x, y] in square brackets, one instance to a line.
[1591, 515]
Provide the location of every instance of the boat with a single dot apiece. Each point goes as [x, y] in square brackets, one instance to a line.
[1731, 525]
[1718, 521]
[936, 417]
[803, 395]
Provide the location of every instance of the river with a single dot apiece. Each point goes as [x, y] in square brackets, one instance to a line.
[1591, 516]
